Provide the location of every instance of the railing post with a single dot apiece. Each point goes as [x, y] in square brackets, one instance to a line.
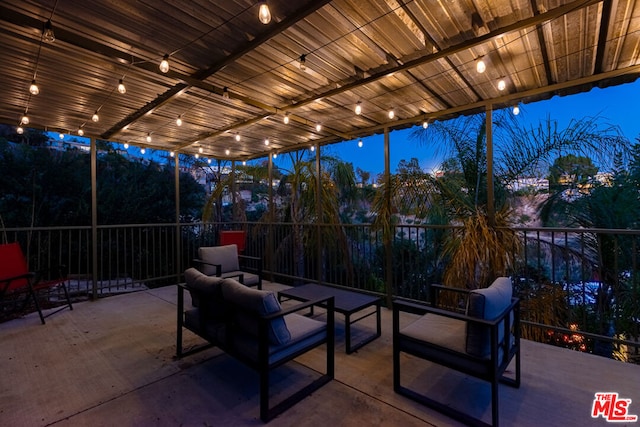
[178, 231]
[94, 219]
[388, 240]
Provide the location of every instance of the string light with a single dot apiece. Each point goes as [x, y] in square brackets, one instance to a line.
[264, 14]
[80, 131]
[313, 148]
[197, 156]
[225, 93]
[172, 154]
[179, 121]
[227, 151]
[34, 89]
[481, 67]
[24, 120]
[266, 141]
[19, 130]
[200, 150]
[303, 62]
[149, 137]
[502, 85]
[126, 145]
[275, 155]
[318, 127]
[142, 151]
[392, 114]
[286, 119]
[47, 33]
[244, 163]
[164, 64]
[238, 137]
[358, 109]
[61, 135]
[360, 143]
[95, 117]
[425, 124]
[121, 87]
[516, 110]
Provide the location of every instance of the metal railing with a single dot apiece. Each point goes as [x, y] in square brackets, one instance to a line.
[579, 287]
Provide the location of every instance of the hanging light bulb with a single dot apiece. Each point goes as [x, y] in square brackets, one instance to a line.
[200, 150]
[303, 62]
[501, 85]
[266, 141]
[227, 151]
[142, 151]
[481, 67]
[61, 135]
[172, 154]
[516, 110]
[197, 156]
[126, 145]
[225, 93]
[286, 119]
[48, 34]
[149, 137]
[425, 124]
[25, 119]
[275, 155]
[121, 88]
[33, 89]
[238, 137]
[80, 131]
[95, 117]
[179, 121]
[318, 127]
[360, 143]
[164, 64]
[244, 163]
[392, 114]
[264, 14]
[313, 148]
[358, 109]
[19, 130]
[209, 161]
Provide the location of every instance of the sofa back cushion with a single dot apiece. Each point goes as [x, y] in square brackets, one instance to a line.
[226, 256]
[256, 302]
[486, 304]
[206, 293]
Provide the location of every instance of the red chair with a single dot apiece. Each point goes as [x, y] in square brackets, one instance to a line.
[233, 237]
[16, 280]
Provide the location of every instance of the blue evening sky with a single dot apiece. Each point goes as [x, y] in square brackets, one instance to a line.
[615, 105]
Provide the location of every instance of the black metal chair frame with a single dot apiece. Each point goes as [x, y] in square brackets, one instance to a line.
[490, 369]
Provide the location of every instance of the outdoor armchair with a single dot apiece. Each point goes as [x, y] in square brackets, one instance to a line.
[225, 261]
[19, 286]
[478, 335]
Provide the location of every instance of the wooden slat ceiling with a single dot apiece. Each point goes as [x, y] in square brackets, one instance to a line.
[416, 57]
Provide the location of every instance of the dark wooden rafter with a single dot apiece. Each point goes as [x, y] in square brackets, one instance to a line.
[432, 41]
[203, 74]
[605, 19]
[543, 45]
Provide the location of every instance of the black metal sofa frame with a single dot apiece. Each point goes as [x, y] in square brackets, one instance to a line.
[256, 351]
[502, 336]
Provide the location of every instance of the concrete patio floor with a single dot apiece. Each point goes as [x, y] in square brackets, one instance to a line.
[111, 363]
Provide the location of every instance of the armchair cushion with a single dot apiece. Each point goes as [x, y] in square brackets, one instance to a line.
[226, 256]
[206, 293]
[256, 302]
[486, 304]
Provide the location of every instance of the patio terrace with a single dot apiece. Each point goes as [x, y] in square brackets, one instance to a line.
[110, 362]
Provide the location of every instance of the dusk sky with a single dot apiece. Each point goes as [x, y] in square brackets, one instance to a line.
[615, 105]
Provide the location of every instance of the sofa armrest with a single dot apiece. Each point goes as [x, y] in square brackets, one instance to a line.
[199, 263]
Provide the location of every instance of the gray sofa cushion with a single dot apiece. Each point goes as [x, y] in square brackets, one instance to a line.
[486, 304]
[258, 302]
[207, 292]
[226, 256]
[439, 330]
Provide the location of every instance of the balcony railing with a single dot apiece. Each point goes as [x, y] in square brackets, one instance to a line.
[579, 287]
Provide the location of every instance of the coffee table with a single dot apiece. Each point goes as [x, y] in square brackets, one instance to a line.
[346, 302]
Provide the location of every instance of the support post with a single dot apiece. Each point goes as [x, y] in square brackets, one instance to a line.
[179, 266]
[94, 218]
[388, 240]
[490, 194]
